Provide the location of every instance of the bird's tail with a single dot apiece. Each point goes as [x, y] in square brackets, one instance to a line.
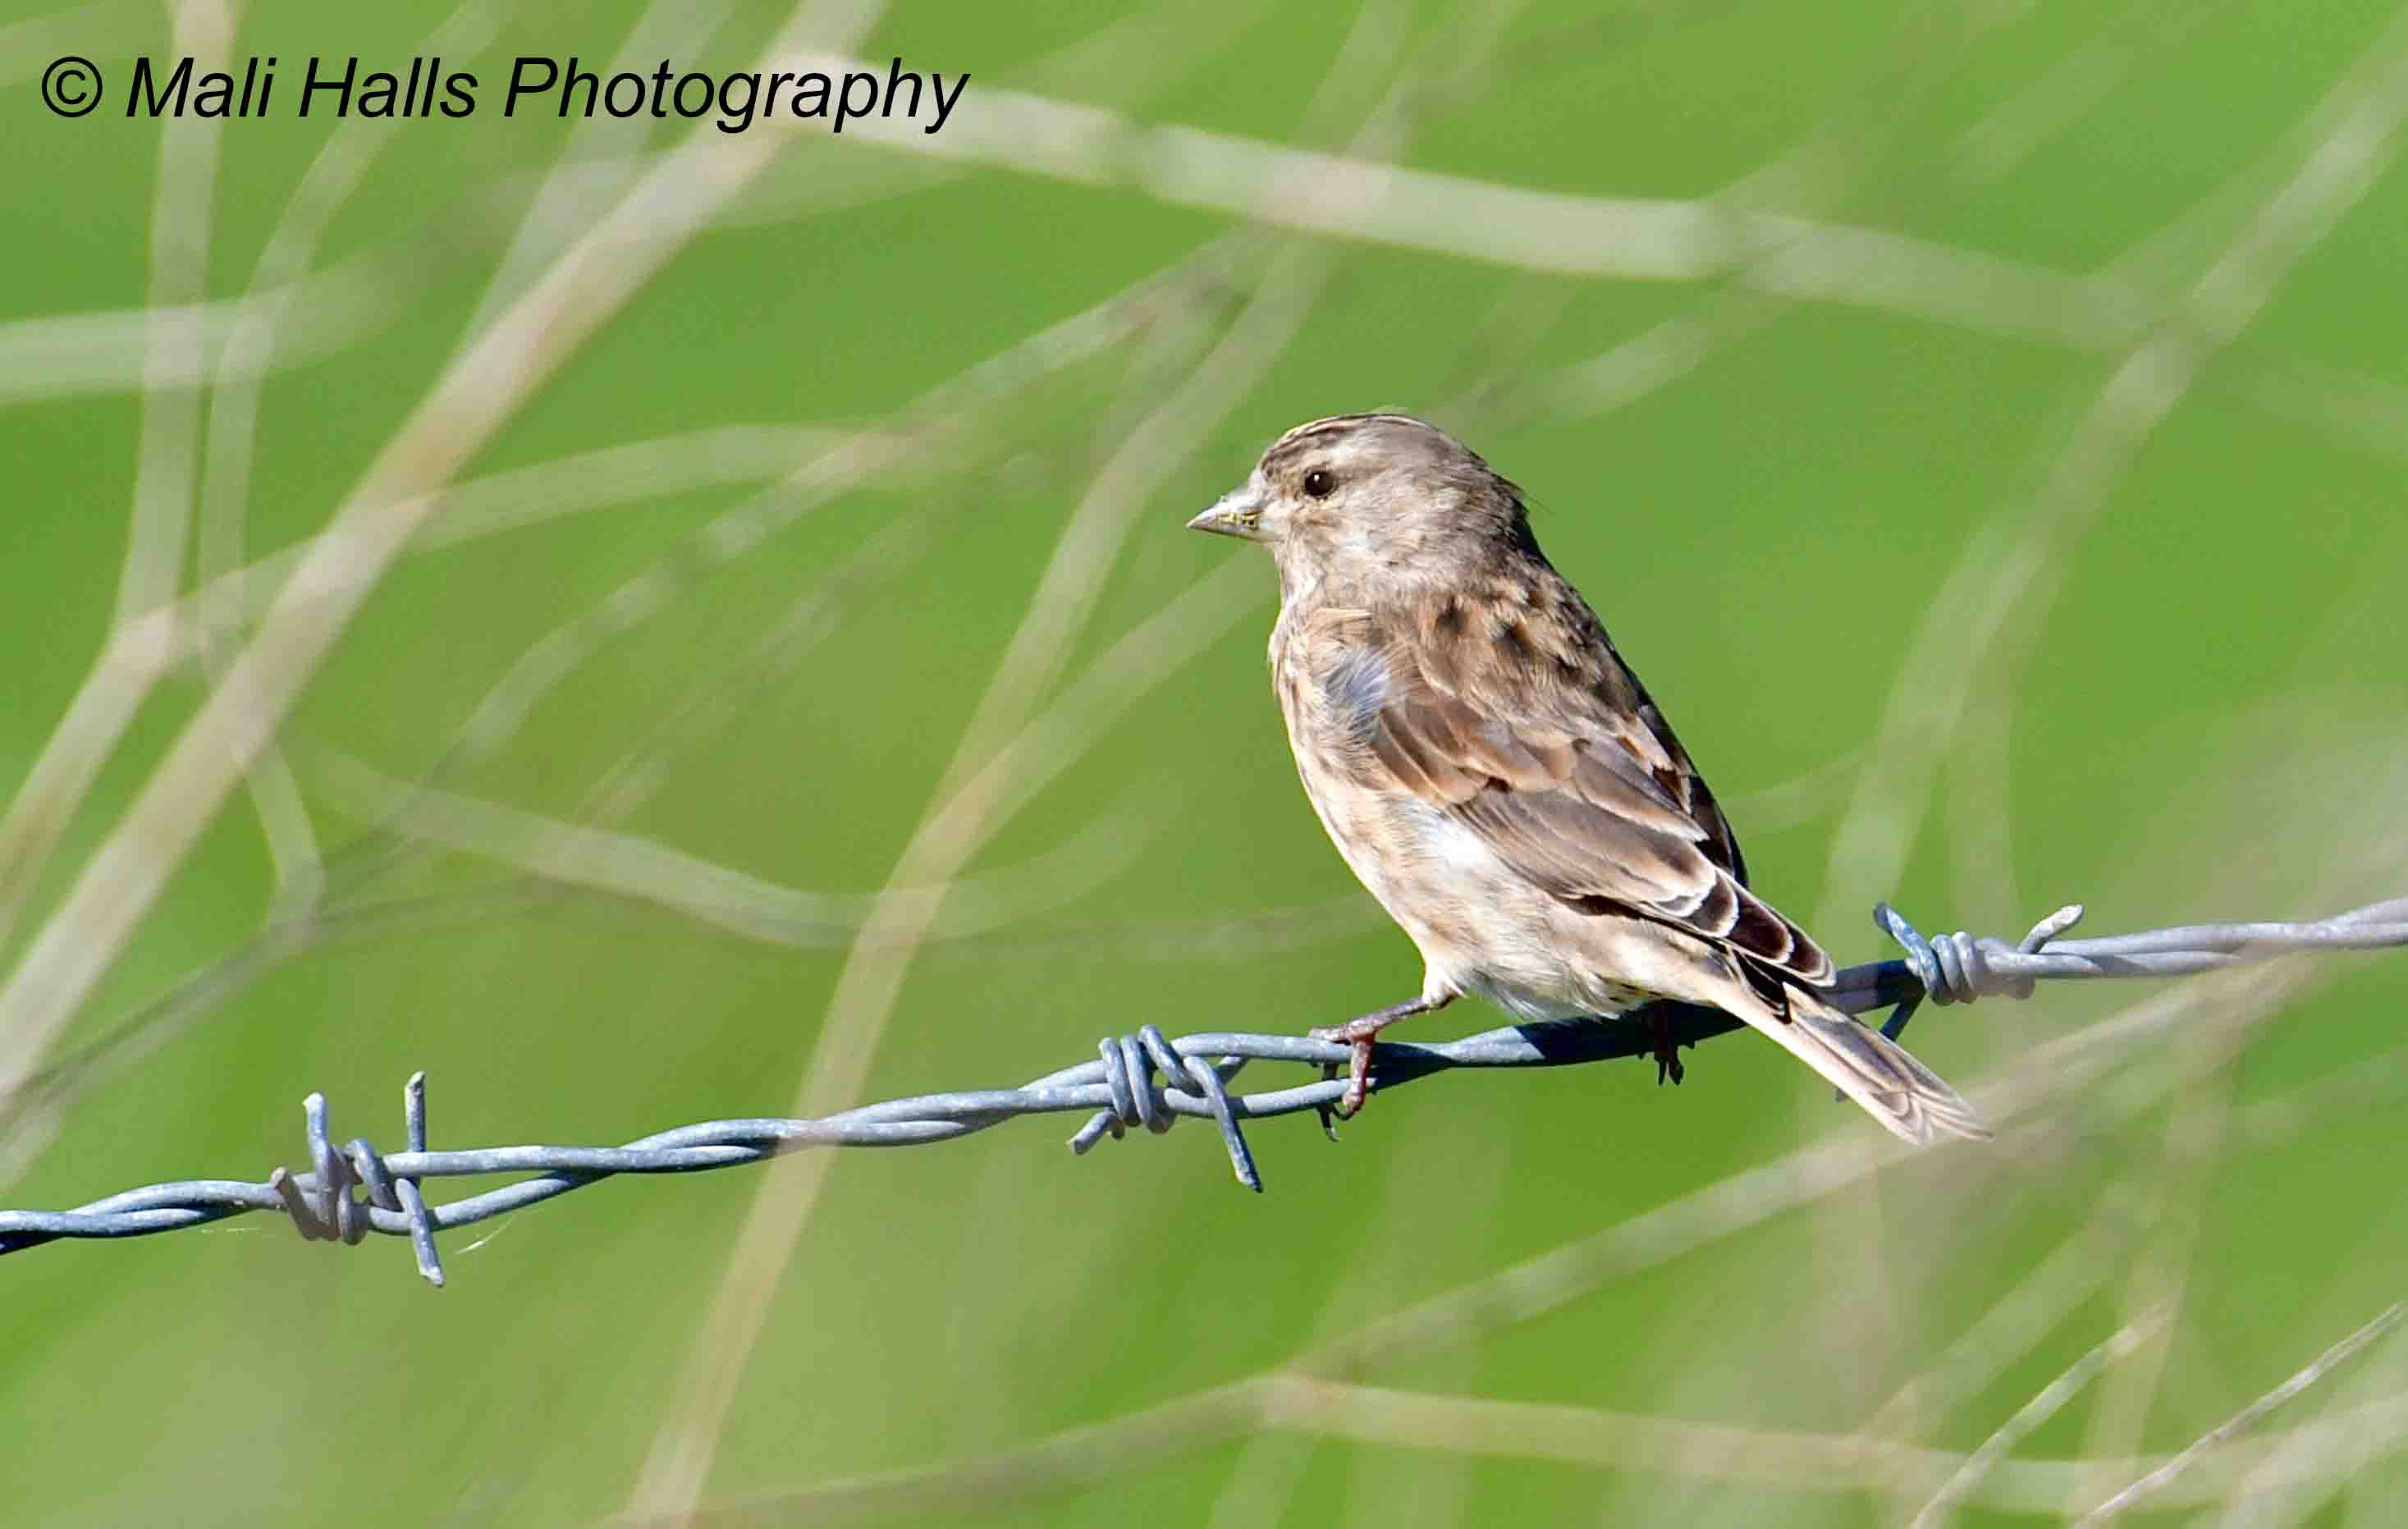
[1875, 1071]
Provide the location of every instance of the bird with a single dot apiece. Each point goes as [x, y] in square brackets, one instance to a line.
[1499, 780]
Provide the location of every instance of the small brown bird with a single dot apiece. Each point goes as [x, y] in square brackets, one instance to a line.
[1500, 781]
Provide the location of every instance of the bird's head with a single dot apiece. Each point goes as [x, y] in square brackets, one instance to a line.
[1368, 495]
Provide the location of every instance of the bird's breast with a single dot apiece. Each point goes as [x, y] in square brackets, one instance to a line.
[1479, 925]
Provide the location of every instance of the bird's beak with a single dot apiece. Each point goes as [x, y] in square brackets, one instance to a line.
[1237, 513]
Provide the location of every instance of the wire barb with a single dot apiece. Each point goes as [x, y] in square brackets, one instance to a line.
[1956, 968]
[1118, 1090]
[328, 1212]
[1129, 1064]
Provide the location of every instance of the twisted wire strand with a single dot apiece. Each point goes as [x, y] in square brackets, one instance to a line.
[1120, 1090]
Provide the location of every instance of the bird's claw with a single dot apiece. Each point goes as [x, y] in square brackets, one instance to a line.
[1328, 1113]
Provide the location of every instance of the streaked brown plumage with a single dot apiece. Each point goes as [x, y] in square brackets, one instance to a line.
[1497, 777]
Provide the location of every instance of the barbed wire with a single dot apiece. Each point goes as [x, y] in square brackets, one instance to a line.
[1118, 1088]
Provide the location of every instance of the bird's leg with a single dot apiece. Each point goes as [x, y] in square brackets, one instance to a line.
[1668, 1051]
[1358, 1032]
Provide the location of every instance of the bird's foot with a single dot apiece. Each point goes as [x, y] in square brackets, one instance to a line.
[1356, 1035]
[1668, 1051]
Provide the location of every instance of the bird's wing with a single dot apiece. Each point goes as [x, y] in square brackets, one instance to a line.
[1544, 746]
[1678, 775]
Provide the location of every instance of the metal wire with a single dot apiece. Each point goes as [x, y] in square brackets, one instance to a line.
[1119, 1090]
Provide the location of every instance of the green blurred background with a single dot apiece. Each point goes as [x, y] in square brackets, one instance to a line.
[2015, 520]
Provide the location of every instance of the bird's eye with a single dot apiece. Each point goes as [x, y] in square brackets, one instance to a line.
[1318, 483]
